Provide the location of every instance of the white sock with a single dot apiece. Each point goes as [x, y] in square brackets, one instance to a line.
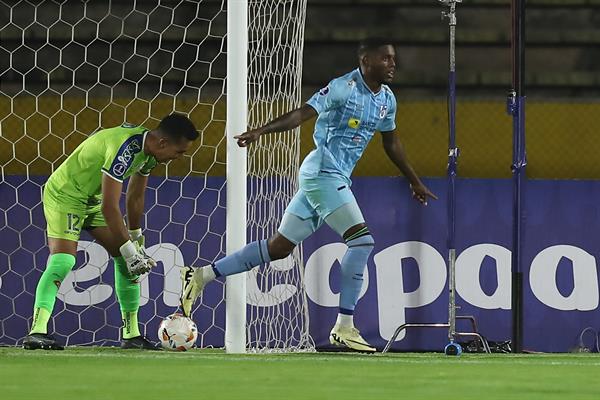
[345, 320]
[207, 274]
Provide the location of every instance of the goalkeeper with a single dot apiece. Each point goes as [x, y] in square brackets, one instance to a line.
[350, 109]
[84, 193]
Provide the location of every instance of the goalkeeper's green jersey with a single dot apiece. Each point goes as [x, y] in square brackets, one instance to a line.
[117, 152]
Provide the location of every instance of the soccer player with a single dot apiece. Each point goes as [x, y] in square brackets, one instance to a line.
[350, 109]
[84, 193]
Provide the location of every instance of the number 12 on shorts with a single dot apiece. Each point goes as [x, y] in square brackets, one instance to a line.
[72, 222]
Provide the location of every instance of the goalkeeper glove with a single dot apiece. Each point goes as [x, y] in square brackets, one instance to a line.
[138, 262]
[137, 236]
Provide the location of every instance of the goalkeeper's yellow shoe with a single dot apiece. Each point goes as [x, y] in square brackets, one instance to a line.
[349, 337]
[192, 284]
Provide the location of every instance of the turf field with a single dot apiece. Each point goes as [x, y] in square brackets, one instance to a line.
[108, 373]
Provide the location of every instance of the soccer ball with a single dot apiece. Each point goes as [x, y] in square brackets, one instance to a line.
[177, 333]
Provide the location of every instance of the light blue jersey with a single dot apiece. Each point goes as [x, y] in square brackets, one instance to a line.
[349, 114]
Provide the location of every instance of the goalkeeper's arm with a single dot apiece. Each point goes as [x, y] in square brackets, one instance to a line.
[283, 123]
[135, 257]
[111, 193]
[135, 200]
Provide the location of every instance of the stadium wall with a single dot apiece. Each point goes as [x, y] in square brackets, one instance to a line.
[406, 274]
[561, 136]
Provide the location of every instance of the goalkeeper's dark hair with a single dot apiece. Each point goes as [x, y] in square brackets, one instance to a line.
[178, 126]
[372, 43]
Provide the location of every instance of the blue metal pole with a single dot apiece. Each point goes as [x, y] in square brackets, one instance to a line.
[516, 107]
[452, 160]
[452, 171]
[519, 178]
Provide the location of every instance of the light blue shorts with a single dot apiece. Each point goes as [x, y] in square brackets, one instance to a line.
[320, 195]
[316, 202]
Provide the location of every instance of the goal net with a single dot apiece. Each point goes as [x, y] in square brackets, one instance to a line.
[69, 68]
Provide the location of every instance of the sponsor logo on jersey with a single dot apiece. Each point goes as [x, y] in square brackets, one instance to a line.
[119, 169]
[383, 111]
[324, 91]
[123, 160]
[353, 123]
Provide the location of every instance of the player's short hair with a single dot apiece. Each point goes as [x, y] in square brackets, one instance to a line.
[373, 43]
[178, 126]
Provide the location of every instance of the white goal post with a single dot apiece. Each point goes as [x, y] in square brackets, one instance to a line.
[237, 122]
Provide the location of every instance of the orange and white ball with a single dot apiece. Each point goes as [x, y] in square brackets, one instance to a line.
[177, 333]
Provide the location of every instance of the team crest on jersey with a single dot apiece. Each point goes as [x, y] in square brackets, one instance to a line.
[324, 91]
[383, 111]
[353, 123]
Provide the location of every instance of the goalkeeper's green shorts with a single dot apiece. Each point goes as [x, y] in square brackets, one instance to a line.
[65, 220]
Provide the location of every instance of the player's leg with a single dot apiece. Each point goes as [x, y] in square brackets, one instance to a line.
[356, 235]
[346, 221]
[193, 280]
[335, 202]
[292, 230]
[127, 288]
[63, 230]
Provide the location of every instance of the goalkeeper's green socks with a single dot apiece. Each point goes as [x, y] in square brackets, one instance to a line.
[41, 316]
[130, 324]
[59, 265]
[127, 288]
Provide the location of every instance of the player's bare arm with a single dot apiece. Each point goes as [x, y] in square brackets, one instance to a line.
[135, 200]
[111, 193]
[395, 151]
[283, 123]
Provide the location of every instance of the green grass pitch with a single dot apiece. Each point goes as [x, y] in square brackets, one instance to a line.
[109, 373]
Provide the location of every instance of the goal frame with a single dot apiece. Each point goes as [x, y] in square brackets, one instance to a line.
[237, 121]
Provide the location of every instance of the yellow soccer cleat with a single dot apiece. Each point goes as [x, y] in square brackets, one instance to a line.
[350, 338]
[192, 284]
